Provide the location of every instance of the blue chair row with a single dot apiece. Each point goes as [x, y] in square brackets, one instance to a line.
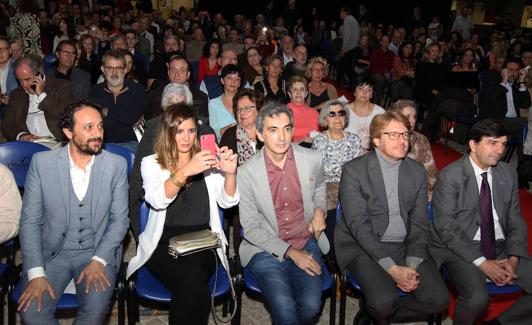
[145, 286]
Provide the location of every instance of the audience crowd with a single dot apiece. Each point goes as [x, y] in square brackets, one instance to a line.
[302, 119]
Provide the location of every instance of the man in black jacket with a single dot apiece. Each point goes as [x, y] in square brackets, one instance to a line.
[504, 94]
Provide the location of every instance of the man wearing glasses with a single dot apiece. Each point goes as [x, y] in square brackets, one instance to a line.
[80, 80]
[123, 101]
[382, 236]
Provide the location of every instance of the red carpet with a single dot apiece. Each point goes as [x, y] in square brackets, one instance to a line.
[499, 304]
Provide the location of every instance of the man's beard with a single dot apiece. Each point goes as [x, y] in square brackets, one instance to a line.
[86, 148]
[115, 82]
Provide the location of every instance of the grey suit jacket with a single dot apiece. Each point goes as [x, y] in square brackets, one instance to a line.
[456, 211]
[45, 211]
[256, 209]
[365, 214]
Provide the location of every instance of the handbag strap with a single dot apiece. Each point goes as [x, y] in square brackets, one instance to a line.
[233, 293]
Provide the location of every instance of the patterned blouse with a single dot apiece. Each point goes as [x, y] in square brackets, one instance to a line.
[336, 153]
[26, 27]
[421, 152]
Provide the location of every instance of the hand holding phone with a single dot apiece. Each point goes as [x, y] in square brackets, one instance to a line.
[37, 82]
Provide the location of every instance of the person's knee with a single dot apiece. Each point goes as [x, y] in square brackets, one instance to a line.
[477, 302]
[381, 305]
[284, 309]
[34, 317]
[309, 307]
[441, 301]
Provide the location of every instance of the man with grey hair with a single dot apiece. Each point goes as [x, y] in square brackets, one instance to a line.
[283, 222]
[123, 101]
[35, 106]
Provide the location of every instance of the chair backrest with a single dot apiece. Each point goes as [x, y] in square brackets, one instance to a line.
[145, 214]
[16, 155]
[121, 151]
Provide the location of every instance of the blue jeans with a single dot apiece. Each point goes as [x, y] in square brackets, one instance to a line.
[294, 296]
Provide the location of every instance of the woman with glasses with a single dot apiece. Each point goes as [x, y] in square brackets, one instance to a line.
[338, 147]
[419, 149]
[362, 109]
[184, 186]
[242, 138]
[273, 87]
[221, 116]
[319, 91]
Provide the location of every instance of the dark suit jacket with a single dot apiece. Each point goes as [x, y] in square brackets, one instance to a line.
[80, 81]
[456, 216]
[58, 96]
[365, 214]
[493, 103]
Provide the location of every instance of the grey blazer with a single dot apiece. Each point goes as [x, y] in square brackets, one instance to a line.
[365, 215]
[257, 213]
[45, 211]
[456, 211]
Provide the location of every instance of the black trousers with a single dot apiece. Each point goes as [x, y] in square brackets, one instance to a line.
[187, 278]
[380, 290]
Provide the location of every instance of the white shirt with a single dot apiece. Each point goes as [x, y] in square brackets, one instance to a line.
[359, 125]
[498, 231]
[80, 182]
[35, 120]
[3, 78]
[286, 59]
[511, 112]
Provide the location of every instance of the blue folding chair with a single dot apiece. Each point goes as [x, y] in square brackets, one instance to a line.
[145, 286]
[121, 151]
[247, 279]
[349, 279]
[16, 155]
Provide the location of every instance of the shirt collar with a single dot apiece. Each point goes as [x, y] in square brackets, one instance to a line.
[478, 171]
[289, 156]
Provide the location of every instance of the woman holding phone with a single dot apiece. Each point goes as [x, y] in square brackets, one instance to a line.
[184, 186]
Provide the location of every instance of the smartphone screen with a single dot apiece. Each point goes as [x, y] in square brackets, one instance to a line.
[208, 142]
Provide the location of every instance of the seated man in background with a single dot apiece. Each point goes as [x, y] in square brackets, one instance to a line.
[382, 236]
[10, 205]
[80, 80]
[283, 222]
[479, 233]
[35, 106]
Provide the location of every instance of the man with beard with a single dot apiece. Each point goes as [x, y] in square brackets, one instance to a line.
[123, 101]
[35, 106]
[73, 221]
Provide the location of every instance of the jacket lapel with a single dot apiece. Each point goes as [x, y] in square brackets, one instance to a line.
[303, 173]
[63, 172]
[375, 176]
[404, 186]
[498, 189]
[96, 182]
[471, 187]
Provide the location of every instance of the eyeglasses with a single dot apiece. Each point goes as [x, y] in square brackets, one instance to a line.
[333, 114]
[245, 109]
[69, 53]
[111, 69]
[396, 135]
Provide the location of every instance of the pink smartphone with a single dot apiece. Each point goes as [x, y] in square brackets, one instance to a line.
[208, 142]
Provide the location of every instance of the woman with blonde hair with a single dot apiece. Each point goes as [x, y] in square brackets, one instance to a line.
[184, 186]
[319, 90]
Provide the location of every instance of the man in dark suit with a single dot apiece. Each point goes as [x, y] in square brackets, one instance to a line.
[503, 94]
[35, 107]
[478, 231]
[382, 236]
[80, 80]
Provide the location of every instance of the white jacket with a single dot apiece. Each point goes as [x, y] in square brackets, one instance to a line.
[153, 178]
